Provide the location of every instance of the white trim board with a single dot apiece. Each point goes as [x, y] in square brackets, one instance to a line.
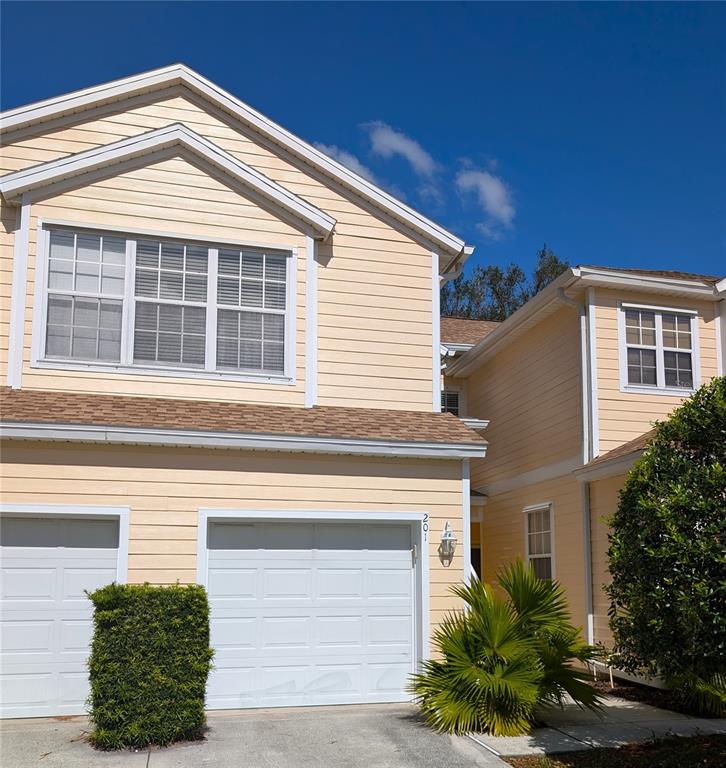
[18, 296]
[231, 440]
[311, 323]
[80, 511]
[175, 136]
[417, 520]
[435, 334]
[69, 105]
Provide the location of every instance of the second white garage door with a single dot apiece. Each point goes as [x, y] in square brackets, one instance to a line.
[310, 613]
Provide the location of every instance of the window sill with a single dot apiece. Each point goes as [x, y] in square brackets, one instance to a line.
[669, 391]
[171, 373]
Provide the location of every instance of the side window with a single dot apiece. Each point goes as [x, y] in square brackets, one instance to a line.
[450, 402]
[538, 521]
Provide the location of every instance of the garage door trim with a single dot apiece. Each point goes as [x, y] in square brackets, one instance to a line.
[83, 511]
[419, 522]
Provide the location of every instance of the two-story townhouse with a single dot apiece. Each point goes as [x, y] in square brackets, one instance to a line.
[222, 357]
[571, 384]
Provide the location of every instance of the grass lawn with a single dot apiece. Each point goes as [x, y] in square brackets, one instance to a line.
[677, 752]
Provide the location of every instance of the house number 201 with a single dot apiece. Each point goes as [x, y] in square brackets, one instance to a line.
[425, 527]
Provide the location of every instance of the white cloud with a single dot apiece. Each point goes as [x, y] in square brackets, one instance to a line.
[494, 197]
[387, 142]
[349, 160]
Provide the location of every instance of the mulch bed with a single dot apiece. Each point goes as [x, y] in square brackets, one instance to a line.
[679, 752]
[645, 695]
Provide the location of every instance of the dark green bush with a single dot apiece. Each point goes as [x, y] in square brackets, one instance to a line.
[149, 662]
[668, 554]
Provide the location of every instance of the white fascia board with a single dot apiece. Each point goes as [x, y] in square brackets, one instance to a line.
[478, 425]
[179, 74]
[231, 440]
[629, 281]
[603, 469]
[14, 185]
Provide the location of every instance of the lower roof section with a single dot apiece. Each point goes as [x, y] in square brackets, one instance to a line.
[67, 416]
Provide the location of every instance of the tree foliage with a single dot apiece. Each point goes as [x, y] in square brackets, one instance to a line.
[510, 651]
[493, 293]
[668, 554]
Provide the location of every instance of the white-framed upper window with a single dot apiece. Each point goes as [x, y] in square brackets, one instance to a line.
[658, 349]
[539, 540]
[157, 303]
[450, 401]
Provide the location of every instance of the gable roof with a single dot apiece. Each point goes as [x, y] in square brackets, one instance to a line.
[151, 420]
[617, 461]
[179, 74]
[459, 330]
[175, 136]
[665, 273]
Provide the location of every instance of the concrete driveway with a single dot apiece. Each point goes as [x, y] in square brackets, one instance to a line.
[369, 736]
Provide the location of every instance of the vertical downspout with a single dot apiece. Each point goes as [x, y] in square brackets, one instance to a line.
[466, 517]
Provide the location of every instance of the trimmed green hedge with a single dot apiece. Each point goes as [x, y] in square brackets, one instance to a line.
[149, 662]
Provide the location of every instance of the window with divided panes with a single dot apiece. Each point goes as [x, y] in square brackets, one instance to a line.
[539, 540]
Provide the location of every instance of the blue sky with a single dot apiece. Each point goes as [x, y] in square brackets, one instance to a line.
[598, 128]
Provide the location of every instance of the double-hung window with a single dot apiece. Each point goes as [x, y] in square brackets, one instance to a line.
[658, 349]
[538, 522]
[150, 303]
[450, 401]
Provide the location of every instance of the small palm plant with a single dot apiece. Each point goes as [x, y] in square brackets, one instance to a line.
[507, 653]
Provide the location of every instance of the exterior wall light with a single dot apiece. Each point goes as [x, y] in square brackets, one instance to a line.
[447, 545]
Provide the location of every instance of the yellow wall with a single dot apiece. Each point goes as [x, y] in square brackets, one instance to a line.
[603, 503]
[530, 392]
[165, 487]
[375, 300]
[624, 416]
[503, 534]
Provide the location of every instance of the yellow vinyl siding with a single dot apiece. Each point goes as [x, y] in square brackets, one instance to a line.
[374, 279]
[165, 487]
[624, 416]
[503, 534]
[530, 391]
[603, 503]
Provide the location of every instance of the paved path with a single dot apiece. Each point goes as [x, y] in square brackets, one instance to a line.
[622, 722]
[372, 736]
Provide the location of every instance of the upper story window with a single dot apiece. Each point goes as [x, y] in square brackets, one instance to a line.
[538, 521]
[658, 349]
[136, 301]
[450, 401]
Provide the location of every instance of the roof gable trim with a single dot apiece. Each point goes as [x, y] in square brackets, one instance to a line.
[14, 185]
[179, 74]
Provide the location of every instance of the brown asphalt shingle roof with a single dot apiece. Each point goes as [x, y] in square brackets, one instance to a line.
[36, 406]
[459, 330]
[661, 273]
[632, 446]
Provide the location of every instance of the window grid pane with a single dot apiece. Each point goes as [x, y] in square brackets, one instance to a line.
[539, 542]
[450, 402]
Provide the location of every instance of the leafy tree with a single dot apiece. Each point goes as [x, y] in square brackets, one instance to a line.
[510, 651]
[668, 554]
[493, 293]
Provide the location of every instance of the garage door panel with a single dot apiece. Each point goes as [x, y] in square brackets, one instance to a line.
[23, 583]
[315, 626]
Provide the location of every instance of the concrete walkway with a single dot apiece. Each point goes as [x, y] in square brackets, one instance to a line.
[366, 736]
[621, 722]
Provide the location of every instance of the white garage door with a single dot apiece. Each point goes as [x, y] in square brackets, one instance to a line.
[307, 613]
[45, 617]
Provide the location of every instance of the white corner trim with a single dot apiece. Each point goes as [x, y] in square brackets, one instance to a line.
[172, 136]
[720, 323]
[585, 396]
[593, 394]
[178, 74]
[539, 475]
[435, 334]
[18, 296]
[417, 520]
[466, 517]
[231, 440]
[90, 511]
[587, 549]
[311, 323]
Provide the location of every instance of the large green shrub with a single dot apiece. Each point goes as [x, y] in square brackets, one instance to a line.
[149, 662]
[668, 554]
[508, 652]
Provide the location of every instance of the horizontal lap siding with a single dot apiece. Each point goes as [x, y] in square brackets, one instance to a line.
[624, 416]
[530, 392]
[166, 487]
[603, 504]
[503, 534]
[375, 298]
